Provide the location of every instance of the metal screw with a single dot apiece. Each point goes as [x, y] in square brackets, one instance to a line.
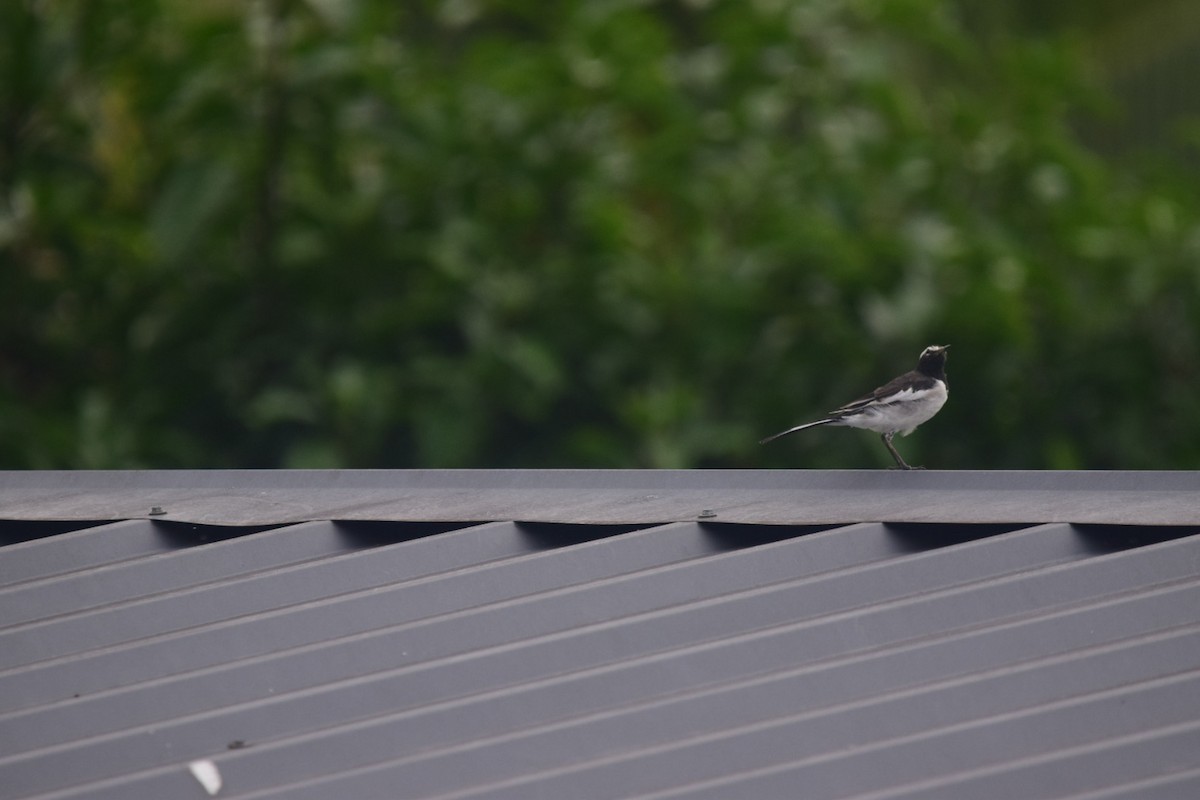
[156, 511]
[707, 513]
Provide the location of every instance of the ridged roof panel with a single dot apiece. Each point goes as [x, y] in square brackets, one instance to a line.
[691, 659]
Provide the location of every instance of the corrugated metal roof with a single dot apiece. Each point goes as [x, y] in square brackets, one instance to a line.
[420, 657]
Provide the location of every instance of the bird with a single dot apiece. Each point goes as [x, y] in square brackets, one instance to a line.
[898, 406]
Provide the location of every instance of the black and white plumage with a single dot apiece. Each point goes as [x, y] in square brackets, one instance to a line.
[898, 406]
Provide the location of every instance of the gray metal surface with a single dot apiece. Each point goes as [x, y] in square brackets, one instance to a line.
[247, 497]
[497, 659]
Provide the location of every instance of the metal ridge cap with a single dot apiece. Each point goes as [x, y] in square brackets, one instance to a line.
[1149, 480]
[267, 497]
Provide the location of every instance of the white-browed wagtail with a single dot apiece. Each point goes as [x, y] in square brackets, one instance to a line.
[898, 406]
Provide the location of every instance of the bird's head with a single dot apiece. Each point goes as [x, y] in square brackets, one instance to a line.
[933, 359]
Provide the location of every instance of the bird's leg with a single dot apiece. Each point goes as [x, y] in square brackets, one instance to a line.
[887, 442]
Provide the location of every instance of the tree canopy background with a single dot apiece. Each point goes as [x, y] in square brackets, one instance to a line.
[368, 233]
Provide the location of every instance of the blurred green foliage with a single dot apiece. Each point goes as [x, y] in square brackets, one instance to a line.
[622, 233]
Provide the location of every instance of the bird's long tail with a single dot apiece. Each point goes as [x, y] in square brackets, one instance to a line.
[797, 428]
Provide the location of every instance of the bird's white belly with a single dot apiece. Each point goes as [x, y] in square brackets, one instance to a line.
[902, 415]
